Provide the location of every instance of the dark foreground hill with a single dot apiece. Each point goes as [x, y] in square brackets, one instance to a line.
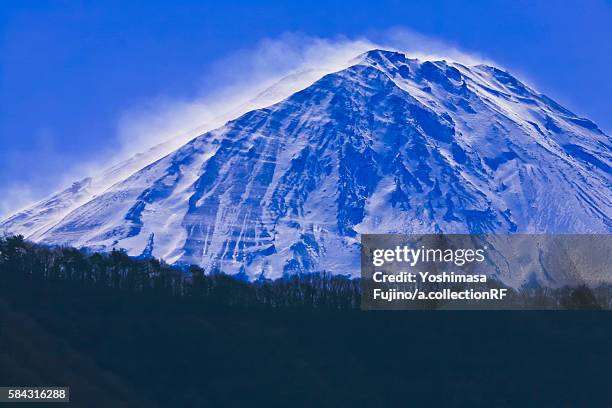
[119, 344]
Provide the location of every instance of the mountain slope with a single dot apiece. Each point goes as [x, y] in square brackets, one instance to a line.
[390, 144]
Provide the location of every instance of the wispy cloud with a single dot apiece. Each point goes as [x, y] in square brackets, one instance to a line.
[15, 197]
[417, 45]
[234, 84]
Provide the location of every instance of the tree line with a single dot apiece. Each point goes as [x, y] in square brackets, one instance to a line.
[26, 263]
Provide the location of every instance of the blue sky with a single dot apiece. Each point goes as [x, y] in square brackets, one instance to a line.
[69, 71]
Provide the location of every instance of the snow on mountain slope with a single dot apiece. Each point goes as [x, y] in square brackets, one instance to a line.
[389, 144]
[34, 221]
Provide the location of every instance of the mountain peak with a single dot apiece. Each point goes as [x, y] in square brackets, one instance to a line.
[388, 145]
[377, 54]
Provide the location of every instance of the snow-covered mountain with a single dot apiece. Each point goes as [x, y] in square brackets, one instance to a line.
[389, 144]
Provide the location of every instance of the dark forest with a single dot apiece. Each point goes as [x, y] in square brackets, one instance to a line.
[137, 332]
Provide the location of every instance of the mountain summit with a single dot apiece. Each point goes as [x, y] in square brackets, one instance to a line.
[389, 144]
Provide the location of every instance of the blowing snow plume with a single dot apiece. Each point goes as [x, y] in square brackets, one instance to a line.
[245, 80]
